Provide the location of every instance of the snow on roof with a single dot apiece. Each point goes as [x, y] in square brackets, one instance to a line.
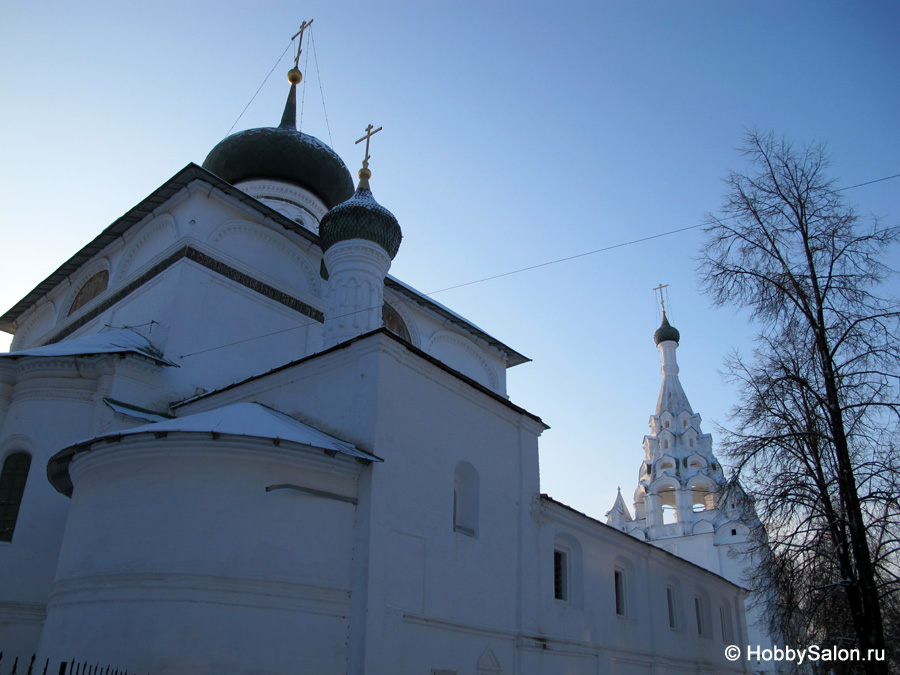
[115, 341]
[251, 420]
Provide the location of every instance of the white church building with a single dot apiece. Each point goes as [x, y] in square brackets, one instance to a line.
[231, 443]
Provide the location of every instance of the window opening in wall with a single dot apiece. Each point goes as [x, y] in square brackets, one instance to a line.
[12, 488]
[702, 499]
[733, 533]
[392, 320]
[465, 499]
[670, 599]
[560, 575]
[667, 422]
[685, 422]
[91, 289]
[726, 624]
[698, 609]
[668, 510]
[619, 580]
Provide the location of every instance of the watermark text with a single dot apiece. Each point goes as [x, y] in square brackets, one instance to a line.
[797, 655]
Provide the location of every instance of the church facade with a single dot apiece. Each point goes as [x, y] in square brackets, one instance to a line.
[231, 442]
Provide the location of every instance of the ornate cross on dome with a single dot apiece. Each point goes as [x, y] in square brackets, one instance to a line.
[303, 27]
[369, 134]
[661, 299]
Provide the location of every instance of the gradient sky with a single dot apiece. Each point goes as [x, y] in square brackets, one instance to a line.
[515, 133]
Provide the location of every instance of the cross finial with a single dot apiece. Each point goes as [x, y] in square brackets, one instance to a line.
[662, 300]
[369, 134]
[303, 27]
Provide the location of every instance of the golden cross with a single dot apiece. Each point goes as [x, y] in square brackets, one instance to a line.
[661, 299]
[369, 134]
[303, 27]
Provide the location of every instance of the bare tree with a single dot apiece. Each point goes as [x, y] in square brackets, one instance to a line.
[815, 432]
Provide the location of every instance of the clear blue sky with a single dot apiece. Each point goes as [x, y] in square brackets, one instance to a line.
[515, 133]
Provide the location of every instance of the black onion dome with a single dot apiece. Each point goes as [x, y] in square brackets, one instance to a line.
[666, 332]
[283, 153]
[361, 217]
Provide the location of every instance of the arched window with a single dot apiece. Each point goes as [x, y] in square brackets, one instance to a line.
[394, 322]
[12, 487]
[465, 499]
[91, 289]
[667, 505]
[703, 496]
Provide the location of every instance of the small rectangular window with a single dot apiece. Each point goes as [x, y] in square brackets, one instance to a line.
[619, 580]
[560, 575]
[670, 599]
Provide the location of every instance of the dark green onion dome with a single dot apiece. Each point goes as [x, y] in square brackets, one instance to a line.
[284, 154]
[666, 332]
[361, 217]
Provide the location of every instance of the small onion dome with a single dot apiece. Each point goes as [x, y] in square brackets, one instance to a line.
[285, 154]
[666, 332]
[361, 217]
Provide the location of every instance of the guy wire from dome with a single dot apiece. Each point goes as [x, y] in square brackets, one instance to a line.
[283, 153]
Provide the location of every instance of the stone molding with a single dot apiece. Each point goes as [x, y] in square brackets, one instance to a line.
[457, 341]
[260, 189]
[148, 233]
[146, 447]
[400, 305]
[180, 586]
[276, 241]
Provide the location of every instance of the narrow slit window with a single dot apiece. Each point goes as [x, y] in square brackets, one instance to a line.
[560, 575]
[670, 599]
[619, 580]
[698, 609]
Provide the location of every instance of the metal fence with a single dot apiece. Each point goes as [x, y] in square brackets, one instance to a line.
[62, 668]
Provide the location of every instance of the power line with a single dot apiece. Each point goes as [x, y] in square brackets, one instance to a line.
[571, 257]
[877, 180]
[516, 271]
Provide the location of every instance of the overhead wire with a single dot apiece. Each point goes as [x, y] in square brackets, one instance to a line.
[260, 87]
[506, 274]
